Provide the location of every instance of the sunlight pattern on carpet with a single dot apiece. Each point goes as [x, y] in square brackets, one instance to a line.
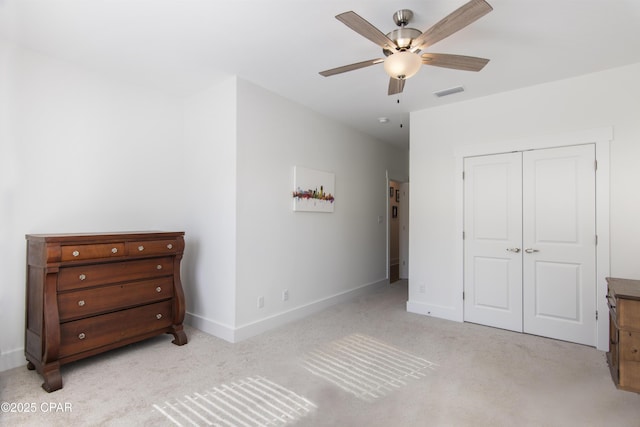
[365, 367]
[249, 402]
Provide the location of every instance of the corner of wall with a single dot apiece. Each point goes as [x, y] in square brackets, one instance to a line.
[12, 359]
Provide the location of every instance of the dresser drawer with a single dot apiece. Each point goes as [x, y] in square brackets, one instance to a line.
[94, 251]
[628, 311]
[629, 369]
[97, 331]
[152, 247]
[85, 276]
[76, 304]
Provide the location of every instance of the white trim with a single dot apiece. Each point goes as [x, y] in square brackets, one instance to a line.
[263, 325]
[258, 327]
[210, 326]
[440, 311]
[596, 135]
[602, 138]
[603, 261]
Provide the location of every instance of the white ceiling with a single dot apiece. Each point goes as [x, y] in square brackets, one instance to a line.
[184, 46]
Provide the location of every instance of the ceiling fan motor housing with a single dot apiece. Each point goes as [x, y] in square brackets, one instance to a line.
[403, 35]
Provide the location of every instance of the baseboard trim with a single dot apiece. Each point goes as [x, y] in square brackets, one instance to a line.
[210, 326]
[258, 327]
[263, 325]
[12, 359]
[442, 312]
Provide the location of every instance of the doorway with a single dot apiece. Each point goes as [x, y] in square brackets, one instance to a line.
[398, 231]
[530, 242]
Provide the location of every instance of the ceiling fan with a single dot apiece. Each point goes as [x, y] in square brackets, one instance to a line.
[402, 46]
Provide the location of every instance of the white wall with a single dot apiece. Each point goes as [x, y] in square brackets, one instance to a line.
[209, 211]
[609, 98]
[244, 241]
[82, 152]
[78, 154]
[316, 256]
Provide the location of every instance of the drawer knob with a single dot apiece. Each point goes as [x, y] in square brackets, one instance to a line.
[169, 246]
[159, 267]
[82, 277]
[81, 303]
[114, 250]
[158, 316]
[140, 248]
[81, 335]
[158, 289]
[75, 253]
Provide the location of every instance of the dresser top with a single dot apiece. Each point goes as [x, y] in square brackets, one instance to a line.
[625, 288]
[81, 237]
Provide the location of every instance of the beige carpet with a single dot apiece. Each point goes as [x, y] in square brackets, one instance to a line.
[363, 363]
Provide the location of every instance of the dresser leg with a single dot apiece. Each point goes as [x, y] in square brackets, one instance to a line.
[30, 366]
[52, 378]
[180, 336]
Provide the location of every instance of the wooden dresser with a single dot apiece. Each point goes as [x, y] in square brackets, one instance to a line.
[89, 293]
[623, 357]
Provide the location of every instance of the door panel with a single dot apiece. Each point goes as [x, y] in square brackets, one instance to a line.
[557, 295]
[559, 240]
[491, 283]
[493, 214]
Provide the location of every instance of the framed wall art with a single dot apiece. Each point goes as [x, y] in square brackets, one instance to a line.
[313, 190]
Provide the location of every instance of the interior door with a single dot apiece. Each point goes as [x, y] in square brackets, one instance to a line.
[530, 249]
[493, 238]
[559, 233]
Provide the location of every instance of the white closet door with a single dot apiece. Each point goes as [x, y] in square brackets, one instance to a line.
[493, 238]
[559, 248]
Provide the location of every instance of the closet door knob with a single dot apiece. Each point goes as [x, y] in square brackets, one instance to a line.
[531, 250]
[516, 250]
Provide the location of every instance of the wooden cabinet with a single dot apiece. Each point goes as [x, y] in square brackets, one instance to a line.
[89, 293]
[623, 357]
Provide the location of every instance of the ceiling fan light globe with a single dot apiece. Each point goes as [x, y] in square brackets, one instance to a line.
[402, 65]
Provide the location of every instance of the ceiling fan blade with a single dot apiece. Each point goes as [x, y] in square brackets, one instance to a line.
[395, 86]
[366, 29]
[457, 62]
[351, 67]
[455, 21]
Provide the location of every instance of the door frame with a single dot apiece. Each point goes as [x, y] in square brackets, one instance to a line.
[602, 138]
[404, 222]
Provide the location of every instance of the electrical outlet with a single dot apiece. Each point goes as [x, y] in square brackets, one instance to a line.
[285, 295]
[260, 302]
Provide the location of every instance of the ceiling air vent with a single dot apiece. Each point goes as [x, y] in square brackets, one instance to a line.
[450, 91]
